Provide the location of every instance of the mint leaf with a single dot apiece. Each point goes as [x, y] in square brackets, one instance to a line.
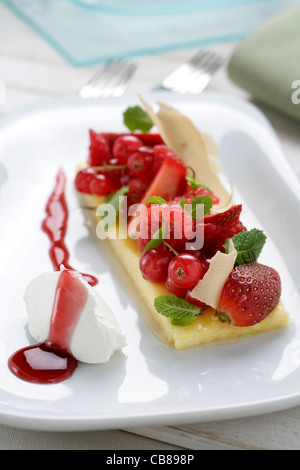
[193, 184]
[156, 200]
[183, 203]
[157, 238]
[181, 311]
[136, 118]
[195, 211]
[248, 245]
[116, 200]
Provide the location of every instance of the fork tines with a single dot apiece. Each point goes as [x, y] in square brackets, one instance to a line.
[194, 75]
[110, 80]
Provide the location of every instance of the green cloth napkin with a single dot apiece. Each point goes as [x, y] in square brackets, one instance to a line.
[267, 63]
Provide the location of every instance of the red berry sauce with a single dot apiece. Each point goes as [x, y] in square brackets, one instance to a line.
[55, 225]
[52, 361]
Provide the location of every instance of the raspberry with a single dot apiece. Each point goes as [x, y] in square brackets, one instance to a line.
[201, 191]
[179, 224]
[99, 150]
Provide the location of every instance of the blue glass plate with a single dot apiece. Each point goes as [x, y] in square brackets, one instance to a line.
[157, 6]
[89, 32]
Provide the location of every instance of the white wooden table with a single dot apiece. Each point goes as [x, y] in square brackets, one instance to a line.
[32, 71]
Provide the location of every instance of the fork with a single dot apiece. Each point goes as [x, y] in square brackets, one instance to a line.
[110, 80]
[195, 75]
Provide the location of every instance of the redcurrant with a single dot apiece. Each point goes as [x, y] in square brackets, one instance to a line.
[100, 185]
[124, 146]
[154, 264]
[140, 163]
[175, 290]
[185, 271]
[83, 180]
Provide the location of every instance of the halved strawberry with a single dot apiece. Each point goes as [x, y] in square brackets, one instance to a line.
[218, 227]
[169, 182]
[250, 293]
[149, 139]
[222, 218]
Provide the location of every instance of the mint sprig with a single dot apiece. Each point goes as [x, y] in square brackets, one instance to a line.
[248, 245]
[136, 118]
[181, 311]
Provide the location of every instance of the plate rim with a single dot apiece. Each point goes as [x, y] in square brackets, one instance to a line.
[220, 413]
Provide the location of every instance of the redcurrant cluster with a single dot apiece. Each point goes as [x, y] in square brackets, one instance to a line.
[116, 160]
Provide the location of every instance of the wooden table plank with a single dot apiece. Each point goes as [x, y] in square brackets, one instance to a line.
[274, 431]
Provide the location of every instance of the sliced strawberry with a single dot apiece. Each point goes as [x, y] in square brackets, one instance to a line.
[223, 218]
[249, 295]
[216, 235]
[149, 139]
[218, 227]
[169, 182]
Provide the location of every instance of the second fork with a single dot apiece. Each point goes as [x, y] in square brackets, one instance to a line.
[195, 75]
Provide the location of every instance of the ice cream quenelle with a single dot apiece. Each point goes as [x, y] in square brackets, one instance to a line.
[71, 322]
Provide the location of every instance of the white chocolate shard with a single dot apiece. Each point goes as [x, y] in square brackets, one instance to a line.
[183, 138]
[209, 288]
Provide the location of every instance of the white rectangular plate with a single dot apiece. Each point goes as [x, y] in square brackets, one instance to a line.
[148, 383]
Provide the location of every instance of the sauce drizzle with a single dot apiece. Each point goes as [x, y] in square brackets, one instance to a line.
[55, 226]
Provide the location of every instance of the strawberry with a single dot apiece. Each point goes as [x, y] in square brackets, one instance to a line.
[231, 215]
[250, 293]
[149, 139]
[218, 227]
[170, 180]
